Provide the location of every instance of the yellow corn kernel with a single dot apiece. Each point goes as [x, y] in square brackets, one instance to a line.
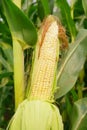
[44, 68]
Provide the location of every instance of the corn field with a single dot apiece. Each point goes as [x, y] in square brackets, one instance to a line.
[43, 64]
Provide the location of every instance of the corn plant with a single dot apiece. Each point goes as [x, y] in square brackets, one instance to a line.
[43, 62]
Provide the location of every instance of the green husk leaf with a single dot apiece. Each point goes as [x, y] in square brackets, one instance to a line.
[15, 123]
[35, 115]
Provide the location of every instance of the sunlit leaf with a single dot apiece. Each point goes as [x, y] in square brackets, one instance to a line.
[2, 129]
[84, 2]
[73, 2]
[79, 115]
[72, 64]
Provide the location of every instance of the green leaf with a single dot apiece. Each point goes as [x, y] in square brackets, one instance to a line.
[3, 28]
[79, 115]
[5, 74]
[5, 63]
[32, 12]
[45, 4]
[72, 64]
[21, 27]
[43, 8]
[78, 9]
[5, 34]
[84, 2]
[8, 52]
[66, 15]
[4, 82]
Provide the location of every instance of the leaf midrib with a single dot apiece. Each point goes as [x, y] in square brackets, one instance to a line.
[79, 122]
[68, 57]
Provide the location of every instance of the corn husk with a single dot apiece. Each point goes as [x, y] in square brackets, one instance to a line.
[36, 115]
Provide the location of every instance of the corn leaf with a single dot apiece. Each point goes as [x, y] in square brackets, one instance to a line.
[79, 115]
[5, 74]
[3, 28]
[72, 64]
[66, 15]
[20, 26]
[5, 35]
[8, 52]
[72, 3]
[5, 63]
[44, 8]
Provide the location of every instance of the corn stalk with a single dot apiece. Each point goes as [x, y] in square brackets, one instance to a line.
[18, 67]
[18, 72]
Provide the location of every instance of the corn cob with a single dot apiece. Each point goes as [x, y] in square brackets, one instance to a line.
[37, 112]
[45, 65]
